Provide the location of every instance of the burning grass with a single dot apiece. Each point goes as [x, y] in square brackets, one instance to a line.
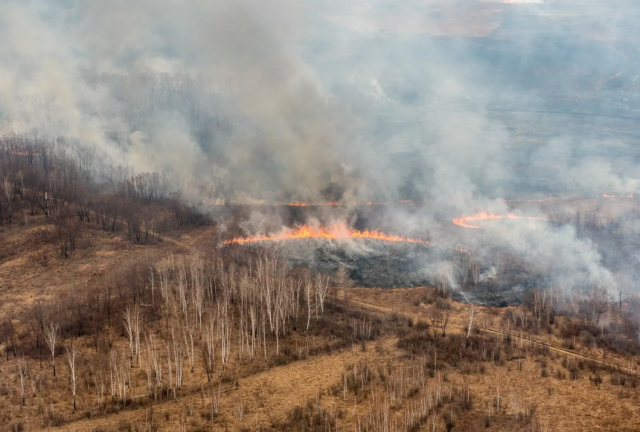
[334, 232]
[466, 220]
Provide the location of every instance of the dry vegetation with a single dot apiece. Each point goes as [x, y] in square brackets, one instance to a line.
[134, 321]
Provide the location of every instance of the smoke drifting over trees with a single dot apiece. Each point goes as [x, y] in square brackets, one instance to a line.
[370, 101]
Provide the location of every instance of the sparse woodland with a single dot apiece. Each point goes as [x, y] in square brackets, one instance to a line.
[70, 183]
[236, 338]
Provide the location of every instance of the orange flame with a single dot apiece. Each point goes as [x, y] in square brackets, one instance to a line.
[629, 196]
[304, 204]
[17, 153]
[464, 221]
[332, 233]
[542, 199]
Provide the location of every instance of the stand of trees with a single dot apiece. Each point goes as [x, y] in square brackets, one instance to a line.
[70, 184]
[177, 316]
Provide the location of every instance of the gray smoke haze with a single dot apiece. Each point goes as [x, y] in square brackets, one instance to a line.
[456, 105]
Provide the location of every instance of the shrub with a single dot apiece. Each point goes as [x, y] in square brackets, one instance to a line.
[596, 380]
[442, 304]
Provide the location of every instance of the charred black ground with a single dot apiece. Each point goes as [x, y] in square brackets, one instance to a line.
[382, 264]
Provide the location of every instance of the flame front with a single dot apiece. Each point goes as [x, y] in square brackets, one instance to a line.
[628, 196]
[465, 221]
[302, 204]
[18, 153]
[332, 233]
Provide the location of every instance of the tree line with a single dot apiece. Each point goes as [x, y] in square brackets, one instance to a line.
[69, 183]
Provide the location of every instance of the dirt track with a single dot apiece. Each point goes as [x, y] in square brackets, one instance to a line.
[523, 340]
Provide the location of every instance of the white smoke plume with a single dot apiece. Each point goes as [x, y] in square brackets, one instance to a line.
[455, 106]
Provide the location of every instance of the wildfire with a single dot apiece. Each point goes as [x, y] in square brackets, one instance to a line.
[465, 221]
[629, 196]
[331, 233]
[17, 153]
[464, 251]
[301, 204]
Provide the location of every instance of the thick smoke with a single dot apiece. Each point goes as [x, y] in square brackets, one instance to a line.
[453, 105]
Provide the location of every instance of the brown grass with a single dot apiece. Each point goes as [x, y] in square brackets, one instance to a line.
[536, 377]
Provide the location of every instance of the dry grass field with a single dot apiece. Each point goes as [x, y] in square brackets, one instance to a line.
[370, 360]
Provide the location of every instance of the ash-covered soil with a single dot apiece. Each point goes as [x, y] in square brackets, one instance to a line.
[370, 263]
[487, 295]
[381, 264]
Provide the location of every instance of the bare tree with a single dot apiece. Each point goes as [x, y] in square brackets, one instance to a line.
[154, 367]
[308, 288]
[444, 322]
[599, 300]
[99, 386]
[188, 331]
[178, 358]
[223, 318]
[7, 187]
[209, 349]
[22, 372]
[436, 321]
[51, 335]
[85, 158]
[622, 291]
[215, 402]
[322, 288]
[341, 278]
[72, 355]
[240, 408]
[132, 321]
[470, 326]
[120, 375]
[69, 230]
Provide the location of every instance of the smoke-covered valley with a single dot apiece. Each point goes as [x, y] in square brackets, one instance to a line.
[460, 107]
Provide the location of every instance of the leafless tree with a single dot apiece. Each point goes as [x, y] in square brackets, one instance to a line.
[98, 375]
[470, 326]
[170, 385]
[69, 230]
[322, 288]
[132, 325]
[120, 375]
[599, 301]
[223, 319]
[209, 349]
[436, 320]
[72, 355]
[7, 188]
[240, 408]
[622, 291]
[341, 278]
[22, 373]
[310, 297]
[188, 332]
[215, 402]
[178, 359]
[85, 158]
[445, 321]
[51, 335]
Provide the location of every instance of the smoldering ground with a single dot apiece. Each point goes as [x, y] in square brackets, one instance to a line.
[452, 106]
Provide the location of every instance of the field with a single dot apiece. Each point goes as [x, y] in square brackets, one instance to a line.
[371, 359]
